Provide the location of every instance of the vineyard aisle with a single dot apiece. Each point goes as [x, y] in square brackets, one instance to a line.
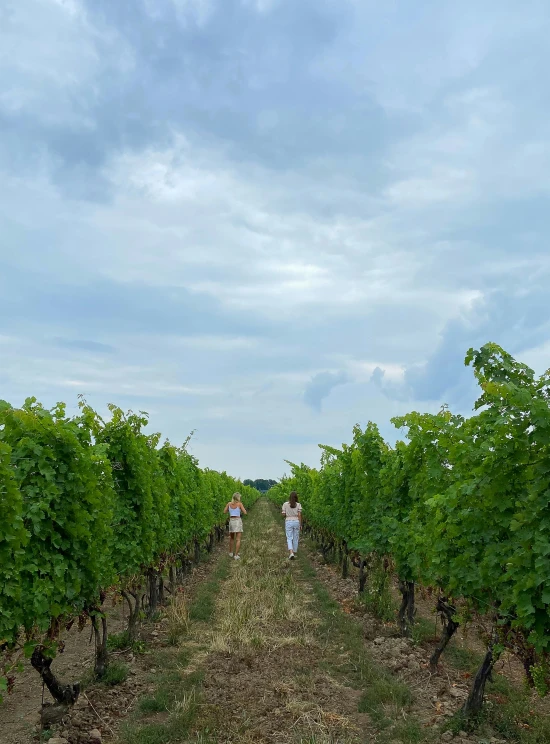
[269, 657]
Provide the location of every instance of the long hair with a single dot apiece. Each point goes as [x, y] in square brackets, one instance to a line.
[293, 499]
[236, 497]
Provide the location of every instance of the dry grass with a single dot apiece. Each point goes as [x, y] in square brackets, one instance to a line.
[315, 721]
[263, 606]
[177, 615]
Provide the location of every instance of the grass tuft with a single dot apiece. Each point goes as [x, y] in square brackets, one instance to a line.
[122, 642]
[178, 624]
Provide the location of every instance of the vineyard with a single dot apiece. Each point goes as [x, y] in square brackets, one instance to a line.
[90, 507]
[462, 508]
[99, 516]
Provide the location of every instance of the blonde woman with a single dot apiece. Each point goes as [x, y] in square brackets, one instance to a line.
[235, 509]
[292, 512]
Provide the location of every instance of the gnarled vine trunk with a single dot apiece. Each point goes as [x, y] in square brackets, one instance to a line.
[361, 563]
[345, 561]
[210, 543]
[61, 693]
[152, 583]
[134, 610]
[407, 610]
[99, 624]
[161, 588]
[473, 705]
[450, 626]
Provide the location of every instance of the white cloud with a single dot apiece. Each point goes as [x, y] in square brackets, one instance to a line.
[50, 59]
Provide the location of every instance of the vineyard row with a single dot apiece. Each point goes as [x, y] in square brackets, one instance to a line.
[462, 507]
[89, 505]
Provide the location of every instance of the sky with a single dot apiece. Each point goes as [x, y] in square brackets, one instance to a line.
[265, 221]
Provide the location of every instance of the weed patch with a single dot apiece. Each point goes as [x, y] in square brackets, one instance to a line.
[203, 606]
[115, 674]
[123, 642]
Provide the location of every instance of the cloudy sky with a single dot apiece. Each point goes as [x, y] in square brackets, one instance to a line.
[267, 220]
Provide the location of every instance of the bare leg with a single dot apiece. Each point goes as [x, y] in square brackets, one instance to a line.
[238, 542]
[231, 536]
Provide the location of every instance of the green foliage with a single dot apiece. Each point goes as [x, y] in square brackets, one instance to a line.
[462, 505]
[13, 537]
[540, 674]
[65, 490]
[87, 504]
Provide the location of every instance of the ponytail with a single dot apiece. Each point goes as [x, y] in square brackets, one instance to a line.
[293, 499]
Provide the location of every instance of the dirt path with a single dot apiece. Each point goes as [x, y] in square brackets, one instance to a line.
[270, 658]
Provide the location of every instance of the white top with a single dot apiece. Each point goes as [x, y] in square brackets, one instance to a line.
[289, 512]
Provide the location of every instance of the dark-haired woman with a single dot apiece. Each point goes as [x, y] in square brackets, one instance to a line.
[292, 512]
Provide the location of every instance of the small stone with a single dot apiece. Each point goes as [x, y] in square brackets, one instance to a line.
[447, 736]
[95, 736]
[378, 641]
[154, 633]
[463, 734]
[153, 671]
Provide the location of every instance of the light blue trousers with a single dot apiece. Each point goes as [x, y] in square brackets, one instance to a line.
[292, 529]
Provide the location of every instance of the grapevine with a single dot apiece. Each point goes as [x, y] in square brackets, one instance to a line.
[462, 505]
[90, 505]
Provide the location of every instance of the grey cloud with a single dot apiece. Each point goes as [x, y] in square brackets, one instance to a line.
[321, 386]
[377, 376]
[516, 317]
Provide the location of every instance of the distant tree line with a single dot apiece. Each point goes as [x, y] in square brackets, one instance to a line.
[261, 484]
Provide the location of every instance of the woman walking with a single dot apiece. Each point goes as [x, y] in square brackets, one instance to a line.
[292, 512]
[235, 509]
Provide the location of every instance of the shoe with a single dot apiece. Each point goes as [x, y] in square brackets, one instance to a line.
[291, 557]
[231, 555]
[237, 557]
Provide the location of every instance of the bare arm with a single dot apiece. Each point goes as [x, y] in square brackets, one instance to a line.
[242, 509]
[226, 508]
